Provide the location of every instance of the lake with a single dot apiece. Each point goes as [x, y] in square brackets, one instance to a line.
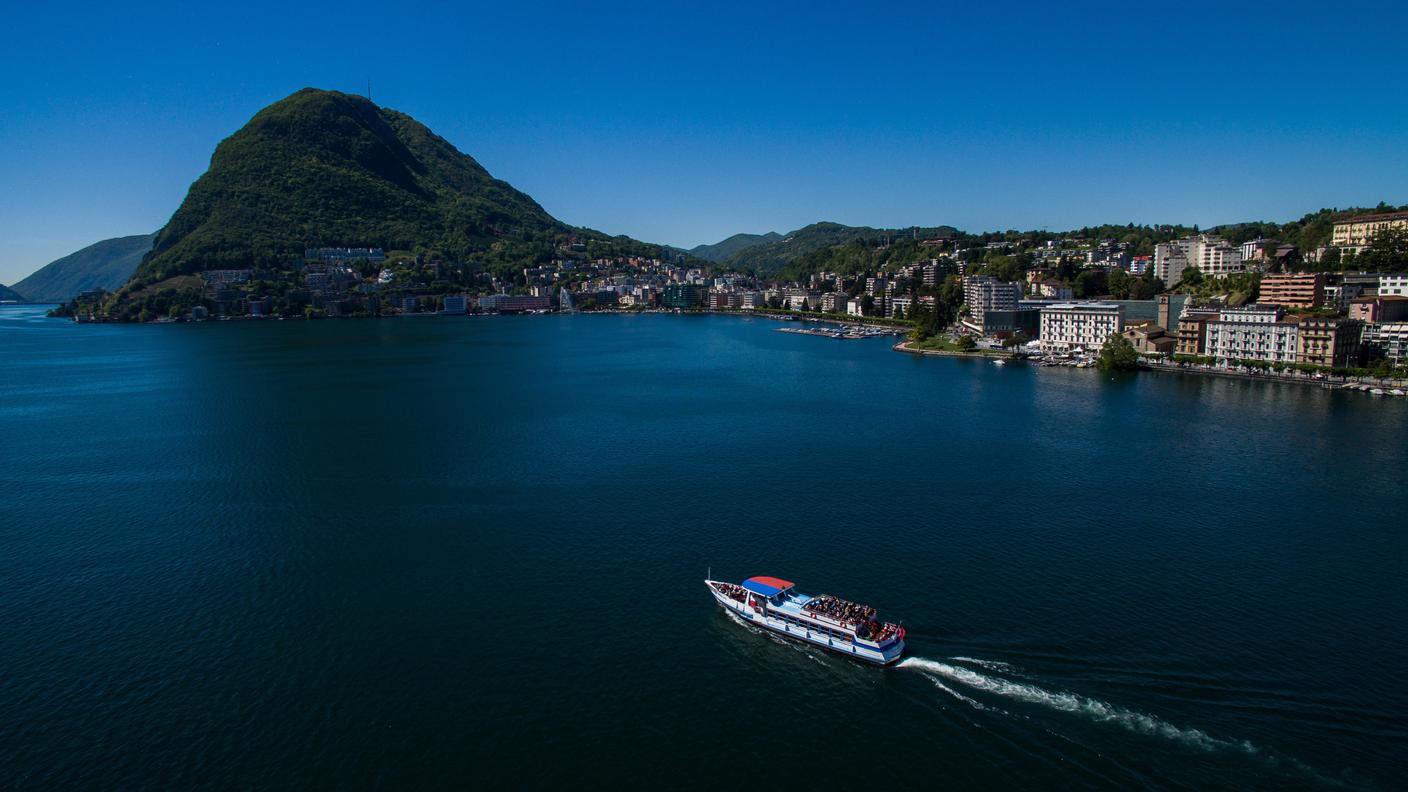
[454, 551]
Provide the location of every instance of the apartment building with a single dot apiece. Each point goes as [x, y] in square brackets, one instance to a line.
[1210, 255]
[1390, 339]
[1299, 290]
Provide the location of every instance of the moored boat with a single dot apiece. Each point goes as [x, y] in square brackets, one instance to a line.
[829, 622]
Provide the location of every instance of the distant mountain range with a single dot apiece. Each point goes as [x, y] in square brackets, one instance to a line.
[9, 295]
[721, 251]
[102, 265]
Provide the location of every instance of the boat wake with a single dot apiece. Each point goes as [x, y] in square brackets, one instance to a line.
[990, 665]
[1100, 711]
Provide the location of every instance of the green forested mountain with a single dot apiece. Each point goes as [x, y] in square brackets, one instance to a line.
[102, 265]
[721, 251]
[806, 248]
[322, 168]
[9, 295]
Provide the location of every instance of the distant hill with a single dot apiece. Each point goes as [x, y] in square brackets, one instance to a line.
[721, 251]
[780, 254]
[102, 265]
[323, 168]
[9, 295]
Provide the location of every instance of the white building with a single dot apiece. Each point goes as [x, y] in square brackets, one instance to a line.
[1067, 327]
[1393, 284]
[986, 293]
[1391, 338]
[1252, 332]
[1208, 254]
[833, 301]
[853, 307]
[752, 300]
[899, 305]
[803, 299]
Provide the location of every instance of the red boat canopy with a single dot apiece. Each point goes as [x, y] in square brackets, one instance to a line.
[767, 586]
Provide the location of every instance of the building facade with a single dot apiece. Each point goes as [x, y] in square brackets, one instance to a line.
[1355, 233]
[1301, 290]
[1074, 327]
[1210, 255]
[983, 293]
[1252, 332]
[1328, 341]
[1389, 339]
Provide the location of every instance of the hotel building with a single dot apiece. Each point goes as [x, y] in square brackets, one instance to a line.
[1067, 327]
[1355, 233]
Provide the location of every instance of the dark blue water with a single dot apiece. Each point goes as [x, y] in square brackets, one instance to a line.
[445, 552]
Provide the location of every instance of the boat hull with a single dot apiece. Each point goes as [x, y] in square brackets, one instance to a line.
[882, 656]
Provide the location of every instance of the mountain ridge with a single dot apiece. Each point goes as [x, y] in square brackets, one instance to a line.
[723, 249]
[102, 265]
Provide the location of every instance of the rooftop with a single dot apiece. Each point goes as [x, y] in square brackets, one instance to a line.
[767, 586]
[1373, 218]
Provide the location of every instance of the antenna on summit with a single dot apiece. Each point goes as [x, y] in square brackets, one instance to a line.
[369, 89]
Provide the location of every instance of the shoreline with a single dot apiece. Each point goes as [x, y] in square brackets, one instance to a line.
[990, 354]
[1356, 385]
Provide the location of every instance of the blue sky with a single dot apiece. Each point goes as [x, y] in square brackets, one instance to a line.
[686, 122]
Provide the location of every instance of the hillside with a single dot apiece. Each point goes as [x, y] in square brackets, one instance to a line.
[721, 251]
[322, 168]
[102, 265]
[9, 295]
[779, 255]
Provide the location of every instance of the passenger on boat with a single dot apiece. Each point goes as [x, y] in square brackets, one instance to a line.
[730, 590]
[839, 609]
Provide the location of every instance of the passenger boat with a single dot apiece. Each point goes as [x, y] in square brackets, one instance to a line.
[829, 622]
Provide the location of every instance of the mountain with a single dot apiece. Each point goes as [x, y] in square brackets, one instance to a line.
[788, 251]
[322, 168]
[9, 295]
[720, 251]
[102, 265]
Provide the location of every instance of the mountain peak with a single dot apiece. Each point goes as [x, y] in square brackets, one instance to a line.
[325, 168]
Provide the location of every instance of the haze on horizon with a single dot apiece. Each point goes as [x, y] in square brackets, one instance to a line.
[684, 126]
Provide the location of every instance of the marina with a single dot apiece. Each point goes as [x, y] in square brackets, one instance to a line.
[848, 333]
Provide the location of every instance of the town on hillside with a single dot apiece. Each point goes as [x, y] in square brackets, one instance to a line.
[1198, 300]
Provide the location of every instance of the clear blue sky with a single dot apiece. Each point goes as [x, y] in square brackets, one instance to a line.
[684, 123]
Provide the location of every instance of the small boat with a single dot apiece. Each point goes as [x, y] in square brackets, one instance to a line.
[999, 362]
[845, 627]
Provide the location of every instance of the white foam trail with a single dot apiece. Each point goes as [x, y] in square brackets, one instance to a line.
[991, 665]
[1069, 702]
[974, 703]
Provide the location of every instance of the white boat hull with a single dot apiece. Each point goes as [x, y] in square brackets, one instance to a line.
[816, 637]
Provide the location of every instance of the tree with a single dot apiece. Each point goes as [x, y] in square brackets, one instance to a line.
[1089, 283]
[867, 305]
[1118, 354]
[1119, 284]
[965, 343]
[1387, 251]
